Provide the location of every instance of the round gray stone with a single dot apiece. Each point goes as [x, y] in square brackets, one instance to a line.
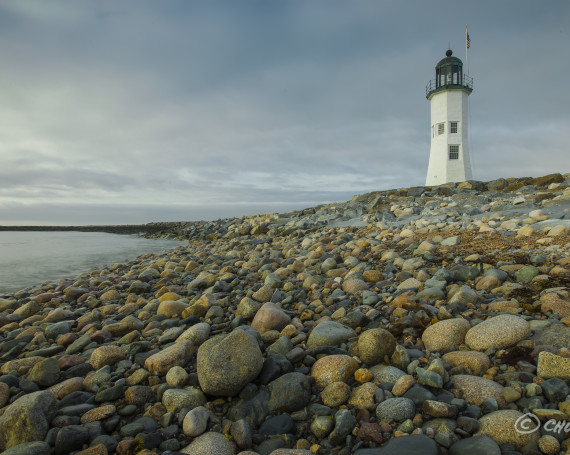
[398, 409]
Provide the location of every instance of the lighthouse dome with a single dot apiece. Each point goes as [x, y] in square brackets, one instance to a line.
[448, 61]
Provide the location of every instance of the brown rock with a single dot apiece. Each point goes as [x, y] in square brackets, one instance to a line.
[370, 432]
[284, 452]
[487, 282]
[66, 387]
[506, 306]
[4, 394]
[374, 345]
[58, 314]
[439, 409]
[226, 363]
[477, 389]
[169, 296]
[270, 317]
[139, 395]
[402, 385]
[27, 419]
[474, 361]
[28, 309]
[335, 394]
[211, 444]
[553, 366]
[263, 294]
[99, 449]
[352, 286]
[44, 297]
[500, 426]
[200, 307]
[333, 368]
[445, 335]
[372, 276]
[177, 354]
[100, 413]
[21, 366]
[106, 355]
[364, 396]
[171, 308]
[403, 299]
[111, 294]
[497, 332]
[66, 339]
[552, 302]
[363, 375]
[68, 361]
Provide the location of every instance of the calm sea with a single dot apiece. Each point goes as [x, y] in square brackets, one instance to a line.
[30, 258]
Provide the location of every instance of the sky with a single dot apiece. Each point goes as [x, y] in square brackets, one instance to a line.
[135, 111]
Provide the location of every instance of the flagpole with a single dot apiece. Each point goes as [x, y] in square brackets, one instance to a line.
[466, 51]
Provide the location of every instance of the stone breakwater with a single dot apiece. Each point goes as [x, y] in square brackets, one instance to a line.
[420, 320]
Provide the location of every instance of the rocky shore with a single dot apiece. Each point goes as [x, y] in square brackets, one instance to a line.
[427, 320]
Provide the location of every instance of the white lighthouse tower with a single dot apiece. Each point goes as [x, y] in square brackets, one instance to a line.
[449, 152]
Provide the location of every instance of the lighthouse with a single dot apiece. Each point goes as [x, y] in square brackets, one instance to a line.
[449, 151]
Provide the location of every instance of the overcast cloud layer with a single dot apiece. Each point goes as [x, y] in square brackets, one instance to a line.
[136, 111]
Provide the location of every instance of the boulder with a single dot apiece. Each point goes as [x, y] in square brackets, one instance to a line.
[226, 363]
[27, 419]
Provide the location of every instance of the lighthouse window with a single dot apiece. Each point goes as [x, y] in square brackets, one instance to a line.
[453, 152]
[453, 127]
[440, 128]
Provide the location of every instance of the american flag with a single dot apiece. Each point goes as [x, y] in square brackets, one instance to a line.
[468, 41]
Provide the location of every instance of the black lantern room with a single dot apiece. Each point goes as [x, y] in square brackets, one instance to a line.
[449, 75]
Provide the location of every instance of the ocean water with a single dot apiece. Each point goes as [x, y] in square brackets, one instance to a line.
[30, 258]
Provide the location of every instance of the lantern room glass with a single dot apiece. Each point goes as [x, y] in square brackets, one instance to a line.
[448, 75]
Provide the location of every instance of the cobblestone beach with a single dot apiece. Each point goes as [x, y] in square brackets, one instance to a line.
[423, 320]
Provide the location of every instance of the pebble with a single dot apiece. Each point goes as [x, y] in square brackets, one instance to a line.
[210, 443]
[330, 333]
[364, 396]
[322, 426]
[270, 317]
[177, 354]
[106, 355]
[553, 366]
[554, 389]
[189, 398]
[429, 378]
[405, 445]
[398, 409]
[497, 332]
[476, 389]
[474, 361]
[374, 345]
[344, 423]
[29, 448]
[196, 421]
[176, 376]
[352, 286]
[548, 444]
[402, 385]
[479, 445]
[333, 368]
[335, 394]
[4, 394]
[445, 335]
[500, 426]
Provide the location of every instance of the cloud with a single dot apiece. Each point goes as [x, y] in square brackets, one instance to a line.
[221, 106]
